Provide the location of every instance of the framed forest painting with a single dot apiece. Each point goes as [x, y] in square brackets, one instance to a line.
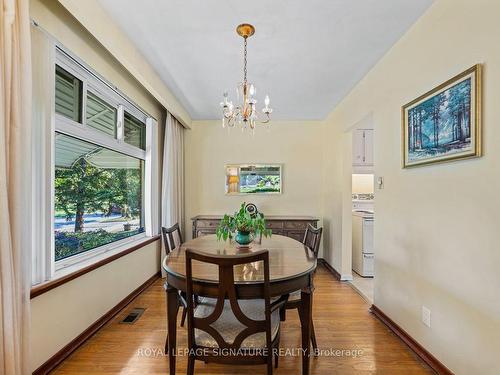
[445, 123]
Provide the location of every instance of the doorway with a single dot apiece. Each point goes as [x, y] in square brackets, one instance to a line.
[362, 218]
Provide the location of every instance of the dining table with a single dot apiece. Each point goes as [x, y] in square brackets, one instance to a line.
[291, 266]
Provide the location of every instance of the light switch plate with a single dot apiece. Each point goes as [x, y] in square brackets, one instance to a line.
[380, 182]
[426, 316]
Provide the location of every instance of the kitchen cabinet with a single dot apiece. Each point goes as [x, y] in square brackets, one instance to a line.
[362, 149]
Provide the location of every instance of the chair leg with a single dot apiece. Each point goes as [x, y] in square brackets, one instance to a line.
[282, 314]
[184, 314]
[270, 365]
[190, 368]
[276, 357]
[166, 345]
[313, 340]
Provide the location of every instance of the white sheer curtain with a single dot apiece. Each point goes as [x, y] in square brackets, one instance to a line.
[15, 185]
[172, 191]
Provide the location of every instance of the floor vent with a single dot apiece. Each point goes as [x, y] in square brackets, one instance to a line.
[133, 315]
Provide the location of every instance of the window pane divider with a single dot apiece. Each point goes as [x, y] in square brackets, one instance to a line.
[74, 129]
[84, 104]
[120, 123]
[151, 201]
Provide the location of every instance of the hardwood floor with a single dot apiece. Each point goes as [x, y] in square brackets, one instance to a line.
[341, 320]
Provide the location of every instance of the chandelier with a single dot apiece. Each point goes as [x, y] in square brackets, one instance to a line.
[245, 112]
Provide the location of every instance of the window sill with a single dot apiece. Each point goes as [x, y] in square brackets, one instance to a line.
[68, 275]
[86, 258]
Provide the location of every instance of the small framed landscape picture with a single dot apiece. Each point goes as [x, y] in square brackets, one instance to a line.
[445, 123]
[253, 179]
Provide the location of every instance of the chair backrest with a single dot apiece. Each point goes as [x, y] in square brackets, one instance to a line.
[169, 235]
[312, 238]
[227, 291]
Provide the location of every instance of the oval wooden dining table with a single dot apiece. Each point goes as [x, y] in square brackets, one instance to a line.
[291, 266]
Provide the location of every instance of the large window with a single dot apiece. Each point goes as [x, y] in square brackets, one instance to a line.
[101, 170]
[98, 196]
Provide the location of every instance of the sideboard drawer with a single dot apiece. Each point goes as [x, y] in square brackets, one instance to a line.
[274, 224]
[300, 225]
[295, 234]
[208, 223]
[204, 232]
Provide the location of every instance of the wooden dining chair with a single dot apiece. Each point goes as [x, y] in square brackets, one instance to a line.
[312, 239]
[172, 238]
[246, 331]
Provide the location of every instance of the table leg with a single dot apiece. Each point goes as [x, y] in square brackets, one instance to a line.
[172, 310]
[305, 315]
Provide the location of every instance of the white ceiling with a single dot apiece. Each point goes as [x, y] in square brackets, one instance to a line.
[306, 54]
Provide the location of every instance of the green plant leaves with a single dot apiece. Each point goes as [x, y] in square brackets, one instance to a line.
[242, 221]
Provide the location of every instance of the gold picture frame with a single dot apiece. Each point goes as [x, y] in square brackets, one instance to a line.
[444, 124]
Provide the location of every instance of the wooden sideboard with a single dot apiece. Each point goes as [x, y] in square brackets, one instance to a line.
[290, 226]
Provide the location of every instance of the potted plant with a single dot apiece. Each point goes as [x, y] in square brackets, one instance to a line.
[244, 224]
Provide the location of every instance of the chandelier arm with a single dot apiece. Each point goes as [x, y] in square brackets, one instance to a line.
[266, 120]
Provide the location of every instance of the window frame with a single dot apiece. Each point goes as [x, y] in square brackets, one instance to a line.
[115, 245]
[45, 267]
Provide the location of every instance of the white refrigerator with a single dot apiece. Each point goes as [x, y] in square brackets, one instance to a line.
[363, 252]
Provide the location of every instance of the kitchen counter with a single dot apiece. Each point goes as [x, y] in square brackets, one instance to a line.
[364, 214]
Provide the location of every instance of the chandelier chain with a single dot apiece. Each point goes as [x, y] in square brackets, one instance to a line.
[245, 61]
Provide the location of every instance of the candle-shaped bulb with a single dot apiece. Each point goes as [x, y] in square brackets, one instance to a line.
[266, 101]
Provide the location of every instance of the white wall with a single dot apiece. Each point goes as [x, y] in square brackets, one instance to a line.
[436, 227]
[337, 198]
[60, 315]
[297, 145]
[436, 232]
